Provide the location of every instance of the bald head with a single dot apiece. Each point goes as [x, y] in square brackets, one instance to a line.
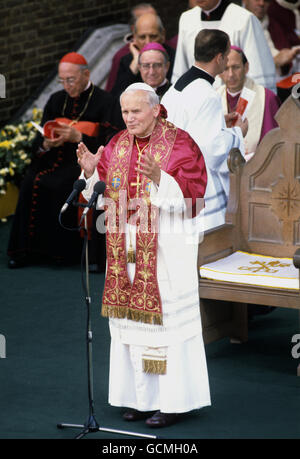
[142, 8]
[148, 28]
[138, 10]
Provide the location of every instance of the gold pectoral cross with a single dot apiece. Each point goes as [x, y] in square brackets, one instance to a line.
[138, 184]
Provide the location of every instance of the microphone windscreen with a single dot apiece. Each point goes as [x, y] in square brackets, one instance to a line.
[99, 187]
[79, 185]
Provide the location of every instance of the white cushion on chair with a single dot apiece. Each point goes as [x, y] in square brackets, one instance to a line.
[254, 269]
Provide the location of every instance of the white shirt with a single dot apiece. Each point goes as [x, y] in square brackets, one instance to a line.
[197, 109]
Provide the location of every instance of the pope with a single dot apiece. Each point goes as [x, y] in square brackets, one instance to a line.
[156, 173]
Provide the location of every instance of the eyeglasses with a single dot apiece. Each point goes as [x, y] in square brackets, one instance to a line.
[69, 81]
[155, 66]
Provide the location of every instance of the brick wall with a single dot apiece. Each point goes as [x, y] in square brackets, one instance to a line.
[36, 33]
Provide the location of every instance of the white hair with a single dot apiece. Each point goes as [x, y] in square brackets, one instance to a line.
[153, 98]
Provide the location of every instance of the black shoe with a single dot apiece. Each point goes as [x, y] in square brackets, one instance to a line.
[162, 419]
[135, 415]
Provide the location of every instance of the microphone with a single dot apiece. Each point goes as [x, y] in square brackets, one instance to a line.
[99, 188]
[78, 187]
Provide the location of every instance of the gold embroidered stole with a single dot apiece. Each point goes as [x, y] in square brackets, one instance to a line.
[139, 301]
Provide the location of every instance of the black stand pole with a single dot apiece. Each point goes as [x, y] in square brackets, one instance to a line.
[91, 425]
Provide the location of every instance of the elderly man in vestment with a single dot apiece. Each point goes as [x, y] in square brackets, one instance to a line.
[263, 107]
[155, 175]
[195, 106]
[83, 112]
[243, 28]
[154, 64]
[148, 28]
[136, 11]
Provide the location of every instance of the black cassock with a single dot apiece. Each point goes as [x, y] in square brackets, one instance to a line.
[36, 231]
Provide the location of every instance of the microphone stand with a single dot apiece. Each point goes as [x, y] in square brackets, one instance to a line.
[91, 424]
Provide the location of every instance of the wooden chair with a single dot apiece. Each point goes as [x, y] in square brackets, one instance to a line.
[262, 217]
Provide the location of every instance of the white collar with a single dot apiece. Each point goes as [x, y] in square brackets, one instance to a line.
[161, 84]
[233, 94]
[213, 9]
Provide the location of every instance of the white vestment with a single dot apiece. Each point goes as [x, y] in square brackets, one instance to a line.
[255, 115]
[197, 109]
[185, 386]
[244, 30]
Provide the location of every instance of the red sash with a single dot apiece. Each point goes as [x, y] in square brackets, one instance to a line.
[141, 300]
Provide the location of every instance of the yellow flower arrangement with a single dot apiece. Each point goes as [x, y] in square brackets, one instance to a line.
[16, 150]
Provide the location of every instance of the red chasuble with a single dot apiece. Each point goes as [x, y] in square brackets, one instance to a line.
[178, 155]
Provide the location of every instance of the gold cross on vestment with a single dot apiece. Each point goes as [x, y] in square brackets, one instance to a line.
[138, 184]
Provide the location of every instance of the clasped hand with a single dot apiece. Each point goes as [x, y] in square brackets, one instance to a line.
[65, 134]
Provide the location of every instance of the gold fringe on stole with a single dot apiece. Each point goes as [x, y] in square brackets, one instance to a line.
[121, 312]
[113, 311]
[155, 360]
[156, 367]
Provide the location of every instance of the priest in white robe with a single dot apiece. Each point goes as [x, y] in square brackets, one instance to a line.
[195, 106]
[154, 169]
[244, 30]
[261, 110]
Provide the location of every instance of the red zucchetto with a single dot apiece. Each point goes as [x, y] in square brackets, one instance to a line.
[74, 58]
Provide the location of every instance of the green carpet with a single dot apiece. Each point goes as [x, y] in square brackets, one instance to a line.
[43, 379]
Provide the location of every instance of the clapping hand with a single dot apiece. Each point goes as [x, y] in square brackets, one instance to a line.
[149, 167]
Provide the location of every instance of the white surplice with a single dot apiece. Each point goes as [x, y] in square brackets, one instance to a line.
[255, 115]
[197, 109]
[244, 30]
[181, 332]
